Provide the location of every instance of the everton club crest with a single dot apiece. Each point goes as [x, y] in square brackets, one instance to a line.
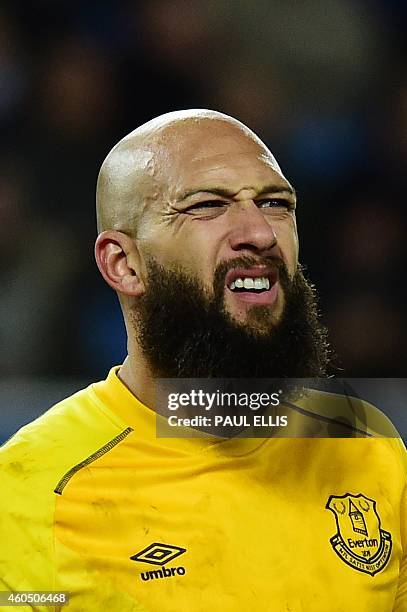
[359, 541]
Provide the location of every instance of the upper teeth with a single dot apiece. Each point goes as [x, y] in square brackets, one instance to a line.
[251, 283]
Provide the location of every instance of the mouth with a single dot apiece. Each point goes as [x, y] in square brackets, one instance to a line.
[254, 285]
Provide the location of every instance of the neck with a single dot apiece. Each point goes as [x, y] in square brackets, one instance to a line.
[135, 373]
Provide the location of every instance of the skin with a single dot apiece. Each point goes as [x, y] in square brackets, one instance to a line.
[193, 189]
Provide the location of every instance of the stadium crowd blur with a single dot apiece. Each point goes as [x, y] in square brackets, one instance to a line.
[324, 84]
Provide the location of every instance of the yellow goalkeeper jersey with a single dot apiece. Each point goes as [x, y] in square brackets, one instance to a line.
[94, 504]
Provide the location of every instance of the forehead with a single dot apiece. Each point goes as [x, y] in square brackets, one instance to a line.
[219, 155]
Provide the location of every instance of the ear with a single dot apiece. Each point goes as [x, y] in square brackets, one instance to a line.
[118, 260]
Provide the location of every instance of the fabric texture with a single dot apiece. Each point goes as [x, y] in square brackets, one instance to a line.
[93, 503]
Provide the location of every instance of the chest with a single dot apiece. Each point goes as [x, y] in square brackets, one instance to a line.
[231, 536]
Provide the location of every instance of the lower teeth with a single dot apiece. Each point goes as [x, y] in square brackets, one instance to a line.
[243, 290]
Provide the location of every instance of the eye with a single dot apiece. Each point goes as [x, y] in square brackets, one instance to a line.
[206, 208]
[207, 204]
[276, 204]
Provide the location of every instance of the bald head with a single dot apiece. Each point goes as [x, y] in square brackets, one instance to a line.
[189, 205]
[137, 169]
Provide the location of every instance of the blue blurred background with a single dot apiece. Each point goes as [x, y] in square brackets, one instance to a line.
[323, 83]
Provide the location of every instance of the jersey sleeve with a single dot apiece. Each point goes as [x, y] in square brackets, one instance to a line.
[26, 526]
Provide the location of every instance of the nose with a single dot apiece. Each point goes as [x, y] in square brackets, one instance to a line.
[251, 230]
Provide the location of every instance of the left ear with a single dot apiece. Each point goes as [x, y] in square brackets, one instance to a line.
[118, 260]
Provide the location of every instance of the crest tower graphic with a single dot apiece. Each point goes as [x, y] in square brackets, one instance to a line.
[359, 541]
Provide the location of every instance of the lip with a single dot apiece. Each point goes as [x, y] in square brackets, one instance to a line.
[265, 298]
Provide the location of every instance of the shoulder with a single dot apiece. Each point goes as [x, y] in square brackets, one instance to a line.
[348, 412]
[69, 431]
[32, 463]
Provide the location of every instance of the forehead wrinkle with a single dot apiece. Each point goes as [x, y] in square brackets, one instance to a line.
[225, 192]
[228, 185]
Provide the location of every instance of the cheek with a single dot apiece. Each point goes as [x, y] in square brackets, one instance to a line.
[287, 238]
[191, 251]
[199, 254]
[296, 245]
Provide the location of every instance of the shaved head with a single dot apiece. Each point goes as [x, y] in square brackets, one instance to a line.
[198, 237]
[136, 170]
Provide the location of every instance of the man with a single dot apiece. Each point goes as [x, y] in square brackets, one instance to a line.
[198, 238]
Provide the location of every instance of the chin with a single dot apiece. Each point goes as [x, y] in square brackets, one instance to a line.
[247, 312]
[258, 320]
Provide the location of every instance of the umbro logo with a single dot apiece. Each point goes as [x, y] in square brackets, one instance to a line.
[160, 554]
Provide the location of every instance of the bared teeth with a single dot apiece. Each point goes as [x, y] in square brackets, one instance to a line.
[248, 284]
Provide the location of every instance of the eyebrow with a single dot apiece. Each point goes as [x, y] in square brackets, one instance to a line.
[228, 193]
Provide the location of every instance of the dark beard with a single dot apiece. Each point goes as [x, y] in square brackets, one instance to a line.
[184, 333]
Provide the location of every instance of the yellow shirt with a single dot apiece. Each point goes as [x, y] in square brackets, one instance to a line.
[94, 504]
